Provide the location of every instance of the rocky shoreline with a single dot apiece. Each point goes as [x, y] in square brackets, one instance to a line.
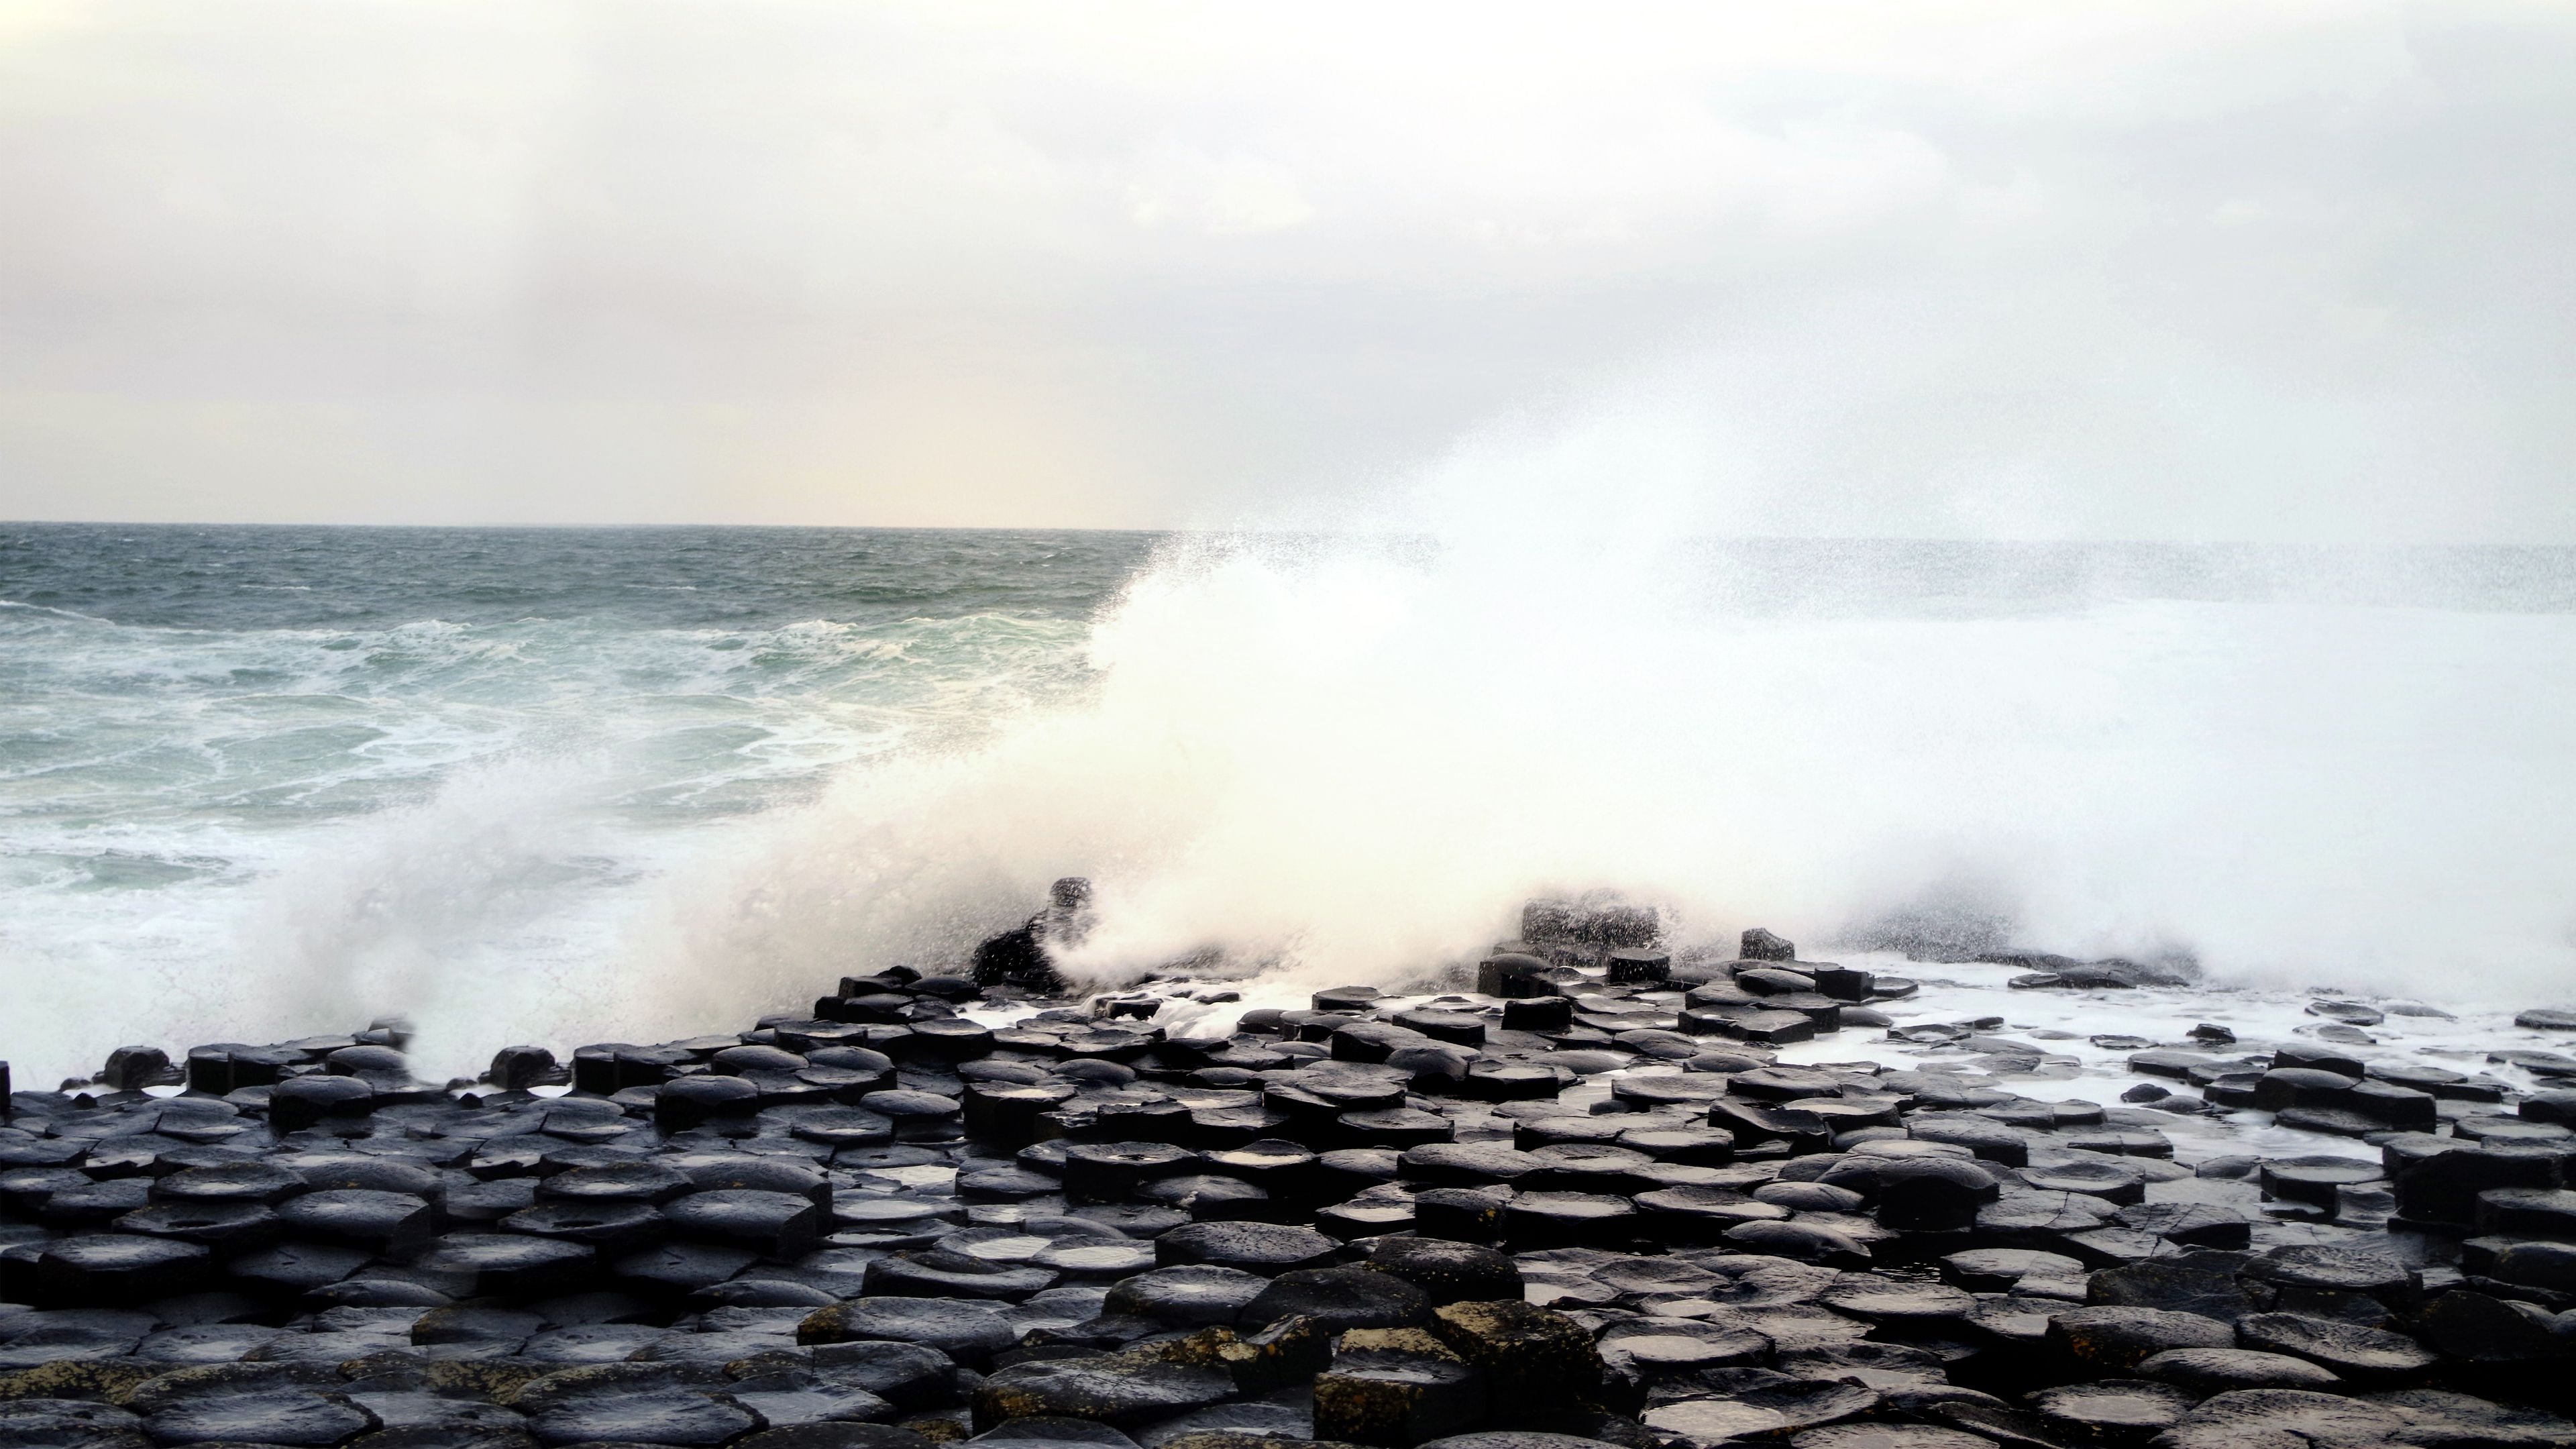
[1588, 1198]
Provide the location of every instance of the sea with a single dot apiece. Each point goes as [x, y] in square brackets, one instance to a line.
[566, 785]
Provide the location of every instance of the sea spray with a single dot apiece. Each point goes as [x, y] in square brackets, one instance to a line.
[1353, 760]
[479, 779]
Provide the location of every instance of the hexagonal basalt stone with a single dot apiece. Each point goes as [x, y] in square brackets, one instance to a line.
[2113, 1410]
[640, 1180]
[1775, 1410]
[969, 1332]
[68, 1424]
[1191, 1296]
[2153, 1284]
[1461, 1164]
[1110, 1171]
[2459, 1421]
[1887, 1436]
[1339, 1299]
[505, 1265]
[2352, 1350]
[619, 1227]
[292, 1267]
[1398, 1389]
[1448, 1272]
[1807, 1242]
[2264, 1417]
[916, 1116]
[1898, 1303]
[1995, 1270]
[273, 1416]
[1125, 1392]
[1535, 1360]
[1701, 1214]
[104, 1269]
[2335, 1268]
[1648, 1350]
[1989, 1140]
[679, 1267]
[1098, 1259]
[773, 1224]
[203, 1343]
[2206, 1371]
[2117, 1340]
[391, 1223]
[252, 1182]
[341, 1171]
[1541, 1220]
[1264, 1248]
[755, 1172]
[910, 1376]
[942, 1273]
[647, 1403]
[227, 1227]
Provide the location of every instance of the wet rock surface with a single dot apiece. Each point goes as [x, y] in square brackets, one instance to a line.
[1615, 1195]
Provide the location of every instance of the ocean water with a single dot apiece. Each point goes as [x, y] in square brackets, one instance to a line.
[571, 785]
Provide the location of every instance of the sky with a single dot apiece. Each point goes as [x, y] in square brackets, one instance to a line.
[2186, 270]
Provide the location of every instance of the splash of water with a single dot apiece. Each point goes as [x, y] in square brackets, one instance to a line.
[1353, 759]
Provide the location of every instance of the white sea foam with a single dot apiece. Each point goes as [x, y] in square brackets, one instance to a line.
[1355, 767]
[1324, 759]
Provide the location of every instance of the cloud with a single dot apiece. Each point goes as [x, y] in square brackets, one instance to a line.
[2251, 270]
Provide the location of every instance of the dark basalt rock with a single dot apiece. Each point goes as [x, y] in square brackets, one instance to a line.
[1396, 1388]
[2351, 1350]
[2336, 1268]
[1535, 1220]
[1989, 1140]
[1190, 1296]
[1536, 1361]
[1109, 1171]
[1339, 1299]
[68, 1424]
[1639, 1355]
[1464, 1165]
[2206, 1371]
[1265, 1248]
[1807, 1242]
[1778, 1409]
[1122, 1392]
[1886, 1436]
[1696, 1266]
[1448, 1272]
[1760, 944]
[2439, 1420]
[2112, 1411]
[1995, 1270]
[2488, 1330]
[285, 1417]
[235, 1182]
[649, 1403]
[2114, 1340]
[2259, 1418]
[641, 1181]
[910, 1376]
[2196, 1225]
[1513, 1439]
[939, 1273]
[393, 1224]
[680, 1267]
[2172, 1286]
[106, 1269]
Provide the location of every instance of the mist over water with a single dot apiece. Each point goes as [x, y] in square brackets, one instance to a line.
[1355, 761]
[631, 785]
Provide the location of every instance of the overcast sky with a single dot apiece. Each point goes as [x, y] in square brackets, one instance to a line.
[2183, 270]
